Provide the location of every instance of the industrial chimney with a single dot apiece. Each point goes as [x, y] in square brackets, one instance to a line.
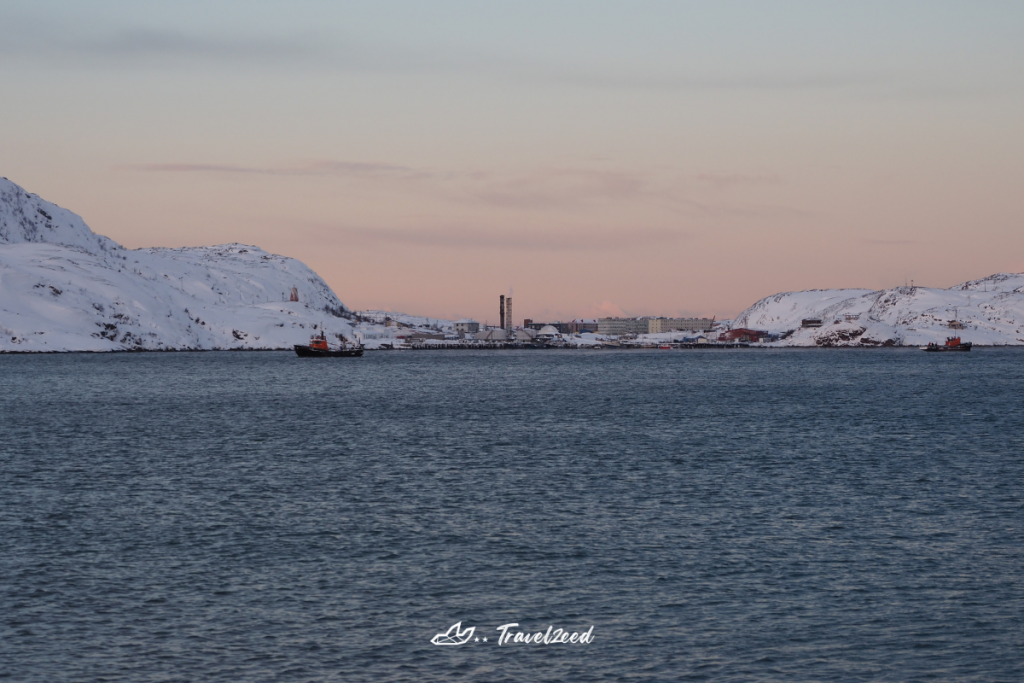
[501, 310]
[508, 315]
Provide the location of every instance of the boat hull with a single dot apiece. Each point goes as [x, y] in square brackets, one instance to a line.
[304, 351]
[943, 349]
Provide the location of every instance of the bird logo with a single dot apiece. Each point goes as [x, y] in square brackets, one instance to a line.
[455, 635]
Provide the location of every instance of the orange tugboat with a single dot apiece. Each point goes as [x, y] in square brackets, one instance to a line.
[319, 348]
[952, 344]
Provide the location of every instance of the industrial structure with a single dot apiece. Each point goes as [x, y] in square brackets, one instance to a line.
[505, 313]
[609, 326]
[560, 326]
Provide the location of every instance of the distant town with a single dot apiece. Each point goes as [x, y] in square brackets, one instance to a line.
[592, 333]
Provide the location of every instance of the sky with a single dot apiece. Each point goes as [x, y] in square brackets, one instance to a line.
[596, 158]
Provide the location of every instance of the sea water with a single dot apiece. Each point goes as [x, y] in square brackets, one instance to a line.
[832, 515]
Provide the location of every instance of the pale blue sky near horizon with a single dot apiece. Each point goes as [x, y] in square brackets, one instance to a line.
[570, 40]
[655, 140]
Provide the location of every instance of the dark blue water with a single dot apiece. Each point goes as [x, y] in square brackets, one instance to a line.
[722, 516]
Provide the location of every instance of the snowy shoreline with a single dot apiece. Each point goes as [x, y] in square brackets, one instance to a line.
[632, 349]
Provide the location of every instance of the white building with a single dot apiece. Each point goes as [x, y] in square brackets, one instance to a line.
[467, 325]
[621, 326]
[680, 324]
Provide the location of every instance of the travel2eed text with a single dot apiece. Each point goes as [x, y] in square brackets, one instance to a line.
[457, 635]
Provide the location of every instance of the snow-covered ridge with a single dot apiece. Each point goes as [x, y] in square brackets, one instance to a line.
[989, 311]
[64, 288]
[25, 217]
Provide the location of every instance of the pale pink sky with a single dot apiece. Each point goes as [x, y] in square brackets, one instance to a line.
[650, 158]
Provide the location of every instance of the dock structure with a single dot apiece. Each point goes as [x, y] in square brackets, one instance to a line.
[510, 345]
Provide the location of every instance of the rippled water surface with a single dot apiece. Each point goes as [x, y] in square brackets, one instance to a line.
[715, 515]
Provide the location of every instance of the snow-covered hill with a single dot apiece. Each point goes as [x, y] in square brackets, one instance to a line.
[991, 311]
[64, 288]
[416, 321]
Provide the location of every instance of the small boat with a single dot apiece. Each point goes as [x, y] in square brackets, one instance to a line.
[319, 348]
[952, 344]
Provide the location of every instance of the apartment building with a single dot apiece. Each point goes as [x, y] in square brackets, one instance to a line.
[621, 326]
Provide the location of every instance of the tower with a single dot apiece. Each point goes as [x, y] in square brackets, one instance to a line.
[501, 310]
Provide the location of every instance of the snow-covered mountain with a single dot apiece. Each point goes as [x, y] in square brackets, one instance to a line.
[64, 288]
[991, 311]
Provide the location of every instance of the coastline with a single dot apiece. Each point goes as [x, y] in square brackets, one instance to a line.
[612, 349]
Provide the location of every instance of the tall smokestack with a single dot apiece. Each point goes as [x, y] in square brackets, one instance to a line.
[508, 315]
[501, 310]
